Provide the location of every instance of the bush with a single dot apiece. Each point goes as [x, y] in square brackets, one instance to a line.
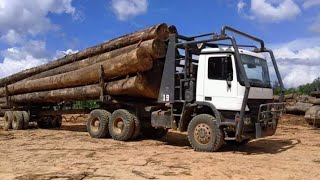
[85, 104]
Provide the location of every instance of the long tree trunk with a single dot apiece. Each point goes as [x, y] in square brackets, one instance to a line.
[136, 86]
[316, 101]
[159, 31]
[135, 61]
[155, 47]
[298, 108]
[312, 116]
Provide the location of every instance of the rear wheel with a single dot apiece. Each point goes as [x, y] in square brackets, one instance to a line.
[8, 118]
[44, 122]
[97, 124]
[26, 118]
[204, 133]
[121, 125]
[17, 123]
[137, 126]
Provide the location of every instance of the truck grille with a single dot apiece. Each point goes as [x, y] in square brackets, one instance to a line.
[254, 105]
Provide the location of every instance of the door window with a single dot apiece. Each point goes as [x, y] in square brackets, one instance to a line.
[220, 68]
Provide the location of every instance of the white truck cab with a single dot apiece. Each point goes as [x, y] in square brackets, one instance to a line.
[219, 81]
[216, 91]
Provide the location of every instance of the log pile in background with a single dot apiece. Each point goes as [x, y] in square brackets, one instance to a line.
[131, 65]
[303, 105]
[312, 116]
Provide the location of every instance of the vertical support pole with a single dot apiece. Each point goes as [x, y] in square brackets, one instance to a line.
[277, 73]
[101, 83]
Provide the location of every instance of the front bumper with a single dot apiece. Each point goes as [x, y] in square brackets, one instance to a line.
[268, 118]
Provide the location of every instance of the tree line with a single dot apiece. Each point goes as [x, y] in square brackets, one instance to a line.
[302, 89]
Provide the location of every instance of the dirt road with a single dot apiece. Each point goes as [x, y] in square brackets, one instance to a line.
[69, 153]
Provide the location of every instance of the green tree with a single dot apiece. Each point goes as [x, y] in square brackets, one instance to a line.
[90, 104]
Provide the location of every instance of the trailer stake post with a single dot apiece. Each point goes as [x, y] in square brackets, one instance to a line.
[101, 83]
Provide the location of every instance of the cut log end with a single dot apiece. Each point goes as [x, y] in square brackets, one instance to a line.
[162, 31]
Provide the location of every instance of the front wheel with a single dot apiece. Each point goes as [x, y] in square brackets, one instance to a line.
[204, 133]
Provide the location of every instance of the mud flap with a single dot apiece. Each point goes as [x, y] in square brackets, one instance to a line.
[263, 130]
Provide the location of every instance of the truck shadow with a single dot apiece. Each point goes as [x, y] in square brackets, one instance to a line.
[74, 127]
[261, 146]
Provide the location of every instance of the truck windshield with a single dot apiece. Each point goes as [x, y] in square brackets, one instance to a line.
[256, 70]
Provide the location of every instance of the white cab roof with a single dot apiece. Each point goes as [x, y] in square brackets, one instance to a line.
[242, 51]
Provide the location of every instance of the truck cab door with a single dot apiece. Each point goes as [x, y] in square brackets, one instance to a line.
[220, 82]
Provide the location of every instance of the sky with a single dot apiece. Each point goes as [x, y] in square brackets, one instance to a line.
[34, 32]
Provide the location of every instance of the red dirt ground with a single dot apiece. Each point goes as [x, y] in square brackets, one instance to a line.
[70, 153]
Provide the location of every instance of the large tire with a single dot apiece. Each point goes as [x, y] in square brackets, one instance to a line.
[153, 133]
[121, 125]
[137, 126]
[44, 122]
[8, 118]
[26, 119]
[58, 120]
[17, 123]
[204, 133]
[97, 123]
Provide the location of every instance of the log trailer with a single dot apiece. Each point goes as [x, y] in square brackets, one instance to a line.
[217, 92]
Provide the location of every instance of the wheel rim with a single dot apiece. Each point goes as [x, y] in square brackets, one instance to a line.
[94, 125]
[118, 125]
[203, 134]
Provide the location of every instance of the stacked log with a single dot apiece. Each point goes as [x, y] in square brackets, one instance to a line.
[132, 62]
[154, 47]
[130, 65]
[309, 106]
[298, 108]
[145, 85]
[315, 93]
[312, 116]
[159, 31]
[297, 104]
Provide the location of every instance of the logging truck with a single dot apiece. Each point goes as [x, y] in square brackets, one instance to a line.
[153, 80]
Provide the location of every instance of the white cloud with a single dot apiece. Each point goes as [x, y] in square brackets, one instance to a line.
[33, 54]
[298, 60]
[19, 58]
[60, 54]
[12, 37]
[296, 75]
[310, 3]
[30, 16]
[270, 10]
[241, 4]
[125, 9]
[315, 25]
[22, 21]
